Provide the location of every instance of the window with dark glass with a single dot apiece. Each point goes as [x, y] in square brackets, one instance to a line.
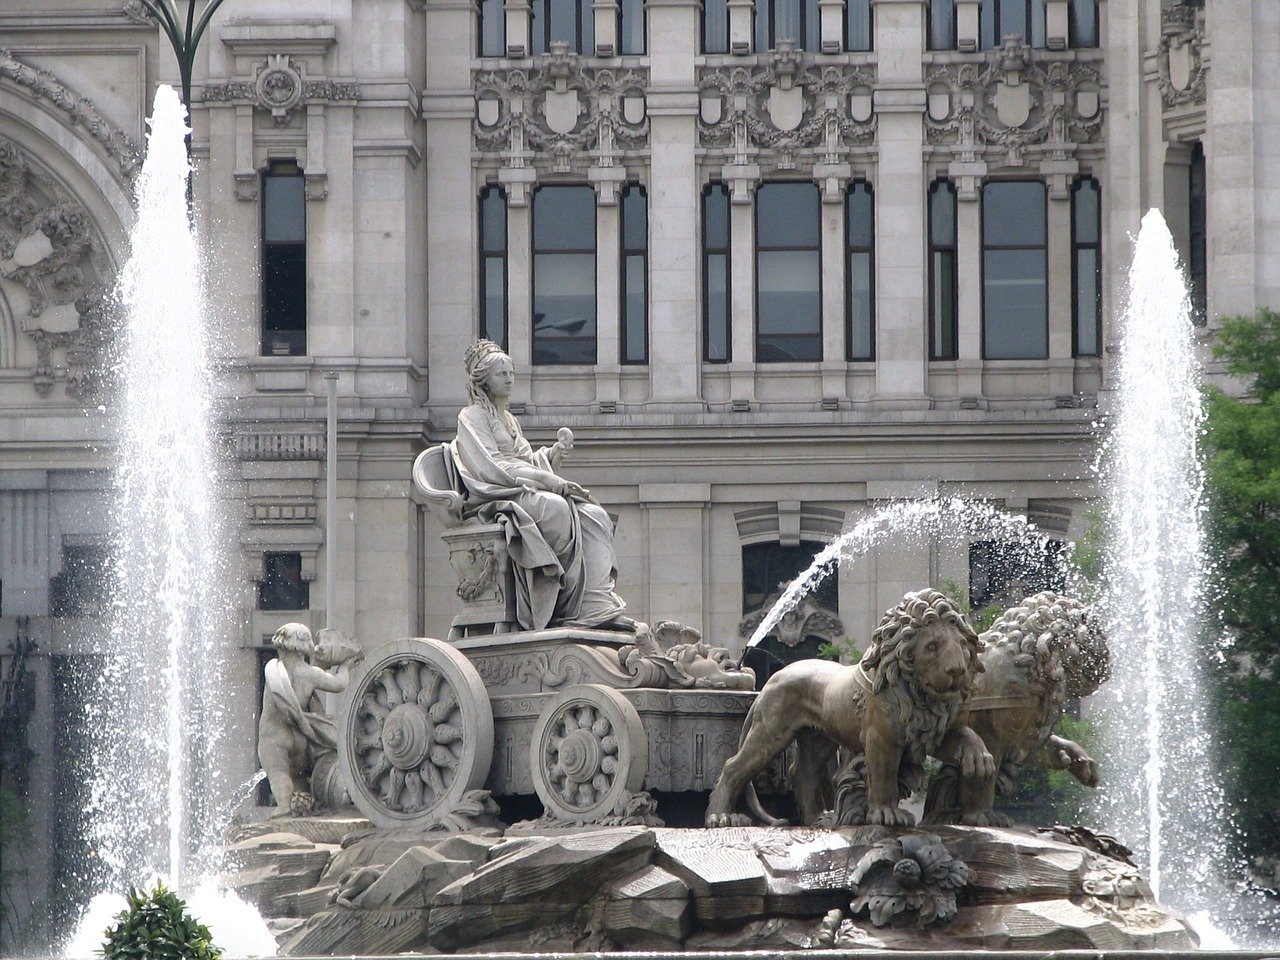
[942, 24]
[859, 272]
[634, 280]
[794, 20]
[1197, 260]
[630, 27]
[1003, 573]
[282, 586]
[1015, 303]
[943, 291]
[564, 275]
[998, 19]
[767, 568]
[715, 26]
[568, 21]
[857, 25]
[788, 272]
[284, 260]
[493, 29]
[82, 587]
[1086, 264]
[1082, 23]
[493, 265]
[715, 273]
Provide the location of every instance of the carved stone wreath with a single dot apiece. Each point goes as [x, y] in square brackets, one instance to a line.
[562, 108]
[1014, 101]
[786, 106]
[280, 87]
[48, 246]
[419, 733]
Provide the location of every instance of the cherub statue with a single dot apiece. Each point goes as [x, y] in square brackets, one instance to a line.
[685, 658]
[294, 730]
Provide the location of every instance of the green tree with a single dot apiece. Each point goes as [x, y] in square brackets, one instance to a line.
[156, 926]
[1242, 472]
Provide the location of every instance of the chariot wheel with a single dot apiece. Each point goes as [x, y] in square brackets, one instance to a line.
[588, 753]
[416, 734]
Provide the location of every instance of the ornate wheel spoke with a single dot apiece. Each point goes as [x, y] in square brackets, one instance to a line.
[419, 732]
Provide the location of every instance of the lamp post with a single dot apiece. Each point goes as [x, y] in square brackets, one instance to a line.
[184, 34]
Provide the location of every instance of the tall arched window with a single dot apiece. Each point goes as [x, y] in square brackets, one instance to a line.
[788, 272]
[634, 275]
[943, 292]
[493, 29]
[493, 265]
[859, 272]
[857, 25]
[631, 30]
[998, 19]
[1086, 267]
[564, 275]
[1197, 255]
[715, 273]
[568, 21]
[796, 20]
[284, 260]
[1015, 302]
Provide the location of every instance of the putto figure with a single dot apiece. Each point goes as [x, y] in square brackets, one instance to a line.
[560, 541]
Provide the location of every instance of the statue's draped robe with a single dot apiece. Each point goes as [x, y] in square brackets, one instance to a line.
[561, 549]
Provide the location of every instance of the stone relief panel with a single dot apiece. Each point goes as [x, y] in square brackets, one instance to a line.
[80, 112]
[1015, 100]
[1180, 60]
[559, 113]
[784, 109]
[280, 87]
[55, 277]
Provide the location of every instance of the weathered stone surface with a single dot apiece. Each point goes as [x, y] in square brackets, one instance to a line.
[306, 903]
[774, 933]
[381, 848]
[725, 875]
[414, 879]
[274, 867]
[329, 828]
[649, 910]
[529, 883]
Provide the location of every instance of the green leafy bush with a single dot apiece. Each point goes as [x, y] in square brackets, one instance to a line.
[157, 925]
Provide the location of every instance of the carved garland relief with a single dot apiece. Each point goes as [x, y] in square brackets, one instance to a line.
[1013, 102]
[280, 86]
[786, 106]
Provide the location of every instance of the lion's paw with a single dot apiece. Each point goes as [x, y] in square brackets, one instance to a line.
[977, 765]
[728, 820]
[983, 818]
[890, 817]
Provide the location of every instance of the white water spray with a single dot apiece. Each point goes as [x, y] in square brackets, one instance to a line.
[1160, 791]
[154, 716]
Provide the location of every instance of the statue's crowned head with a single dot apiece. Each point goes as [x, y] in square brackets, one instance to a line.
[482, 356]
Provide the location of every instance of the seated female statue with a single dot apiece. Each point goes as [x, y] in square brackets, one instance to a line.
[560, 541]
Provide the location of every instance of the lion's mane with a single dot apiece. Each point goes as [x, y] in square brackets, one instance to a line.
[890, 662]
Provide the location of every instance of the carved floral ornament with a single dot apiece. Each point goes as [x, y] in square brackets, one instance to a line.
[52, 274]
[786, 106]
[1180, 62]
[561, 108]
[280, 86]
[1013, 102]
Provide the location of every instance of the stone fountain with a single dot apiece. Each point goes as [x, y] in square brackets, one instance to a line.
[544, 689]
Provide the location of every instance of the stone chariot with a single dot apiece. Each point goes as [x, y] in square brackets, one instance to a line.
[589, 720]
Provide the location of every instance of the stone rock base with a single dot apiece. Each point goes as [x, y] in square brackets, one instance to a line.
[663, 889]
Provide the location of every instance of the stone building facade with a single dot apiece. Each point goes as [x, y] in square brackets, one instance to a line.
[774, 263]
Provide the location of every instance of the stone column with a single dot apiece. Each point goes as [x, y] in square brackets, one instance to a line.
[967, 24]
[969, 294]
[517, 16]
[831, 13]
[674, 339]
[449, 108]
[676, 517]
[901, 345]
[833, 178]
[606, 25]
[740, 33]
[1060, 279]
[520, 285]
[742, 280]
[607, 181]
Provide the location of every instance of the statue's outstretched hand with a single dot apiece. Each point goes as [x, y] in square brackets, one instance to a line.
[562, 447]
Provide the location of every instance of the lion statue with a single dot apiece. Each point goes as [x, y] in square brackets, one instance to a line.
[1036, 656]
[901, 703]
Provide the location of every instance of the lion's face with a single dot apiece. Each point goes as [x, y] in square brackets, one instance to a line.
[942, 659]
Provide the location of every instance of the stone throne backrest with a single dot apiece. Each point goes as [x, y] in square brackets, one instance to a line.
[477, 550]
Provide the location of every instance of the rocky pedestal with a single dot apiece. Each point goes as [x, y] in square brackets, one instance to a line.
[636, 888]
